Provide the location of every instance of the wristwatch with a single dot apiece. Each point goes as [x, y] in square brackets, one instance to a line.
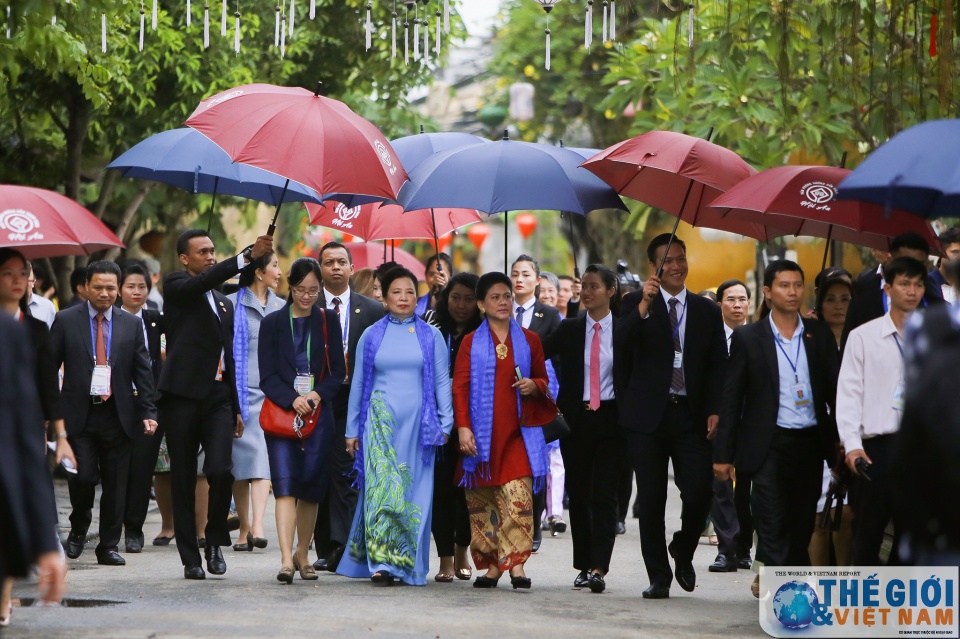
[247, 254]
[62, 435]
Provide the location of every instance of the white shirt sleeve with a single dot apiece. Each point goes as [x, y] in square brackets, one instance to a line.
[850, 393]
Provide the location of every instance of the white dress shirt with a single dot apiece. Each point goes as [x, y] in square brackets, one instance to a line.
[344, 311]
[728, 333]
[527, 311]
[42, 308]
[682, 318]
[606, 358]
[871, 371]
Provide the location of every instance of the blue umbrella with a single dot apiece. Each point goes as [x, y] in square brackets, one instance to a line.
[414, 149]
[188, 160]
[506, 176]
[918, 170]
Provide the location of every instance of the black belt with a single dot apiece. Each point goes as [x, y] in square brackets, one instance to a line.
[96, 400]
[806, 430]
[678, 399]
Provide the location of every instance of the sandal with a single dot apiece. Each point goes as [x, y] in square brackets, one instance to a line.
[482, 581]
[381, 578]
[444, 579]
[464, 574]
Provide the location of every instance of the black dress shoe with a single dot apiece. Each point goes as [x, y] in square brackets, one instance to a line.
[520, 583]
[193, 572]
[597, 584]
[582, 580]
[201, 542]
[657, 591]
[134, 544]
[621, 528]
[215, 562]
[110, 558]
[724, 563]
[75, 542]
[536, 544]
[333, 559]
[320, 564]
[683, 571]
[745, 563]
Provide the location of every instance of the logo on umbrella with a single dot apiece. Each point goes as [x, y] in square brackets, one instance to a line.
[20, 223]
[385, 156]
[817, 195]
[223, 98]
[344, 215]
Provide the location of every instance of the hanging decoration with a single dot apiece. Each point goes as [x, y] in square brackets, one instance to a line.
[313, 9]
[276, 27]
[103, 33]
[613, 21]
[393, 32]
[283, 36]
[690, 26]
[189, 12]
[416, 36]
[446, 16]
[206, 25]
[603, 28]
[588, 26]
[223, 19]
[368, 26]
[547, 7]
[439, 13]
[426, 36]
[236, 30]
[143, 19]
[8, 22]
[153, 16]
[292, 16]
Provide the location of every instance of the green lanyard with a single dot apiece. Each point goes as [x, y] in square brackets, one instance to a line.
[294, 336]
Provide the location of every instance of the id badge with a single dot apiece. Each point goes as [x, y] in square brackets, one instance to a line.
[100, 381]
[677, 359]
[801, 395]
[898, 397]
[303, 384]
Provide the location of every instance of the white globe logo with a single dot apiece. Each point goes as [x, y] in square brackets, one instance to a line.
[819, 192]
[346, 213]
[18, 222]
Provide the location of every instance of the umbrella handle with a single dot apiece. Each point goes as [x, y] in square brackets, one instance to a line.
[273, 225]
[573, 240]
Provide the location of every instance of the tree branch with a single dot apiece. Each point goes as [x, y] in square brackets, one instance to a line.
[125, 221]
[106, 192]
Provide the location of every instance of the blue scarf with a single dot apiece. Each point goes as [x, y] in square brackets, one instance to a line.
[241, 345]
[431, 434]
[483, 370]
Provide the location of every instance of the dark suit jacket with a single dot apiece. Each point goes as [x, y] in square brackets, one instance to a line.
[751, 398]
[370, 311]
[648, 344]
[278, 366]
[868, 305]
[196, 336]
[47, 374]
[545, 320]
[567, 344]
[71, 345]
[28, 512]
[153, 321]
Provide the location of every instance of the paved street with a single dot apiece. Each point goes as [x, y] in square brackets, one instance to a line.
[249, 602]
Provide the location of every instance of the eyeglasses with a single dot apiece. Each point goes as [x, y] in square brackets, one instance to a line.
[302, 292]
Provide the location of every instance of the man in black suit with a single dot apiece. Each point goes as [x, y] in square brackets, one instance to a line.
[543, 320]
[670, 408]
[870, 302]
[356, 313]
[28, 511]
[108, 401]
[199, 404]
[777, 423]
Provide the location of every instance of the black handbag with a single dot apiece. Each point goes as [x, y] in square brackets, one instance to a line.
[557, 429]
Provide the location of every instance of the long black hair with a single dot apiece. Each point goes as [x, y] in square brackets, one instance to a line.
[300, 268]
[446, 324]
[610, 280]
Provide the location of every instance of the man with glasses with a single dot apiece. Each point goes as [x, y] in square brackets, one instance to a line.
[356, 314]
[199, 404]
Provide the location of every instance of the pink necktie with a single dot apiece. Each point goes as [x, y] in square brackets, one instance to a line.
[595, 368]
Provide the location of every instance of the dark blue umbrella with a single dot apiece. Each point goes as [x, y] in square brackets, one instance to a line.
[918, 170]
[188, 160]
[414, 149]
[506, 176]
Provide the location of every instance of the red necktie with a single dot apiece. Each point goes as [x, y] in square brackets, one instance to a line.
[595, 368]
[101, 349]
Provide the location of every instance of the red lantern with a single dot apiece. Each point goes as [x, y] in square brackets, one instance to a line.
[527, 223]
[478, 234]
[347, 238]
[445, 241]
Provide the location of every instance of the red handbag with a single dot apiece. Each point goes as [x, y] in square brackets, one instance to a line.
[287, 424]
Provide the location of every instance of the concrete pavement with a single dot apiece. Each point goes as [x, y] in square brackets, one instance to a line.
[249, 602]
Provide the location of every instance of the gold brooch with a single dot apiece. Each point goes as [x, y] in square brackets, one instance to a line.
[502, 351]
[411, 329]
[538, 314]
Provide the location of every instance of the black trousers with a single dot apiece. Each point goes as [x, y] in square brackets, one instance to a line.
[191, 423]
[680, 439]
[624, 490]
[594, 455]
[102, 450]
[451, 523]
[335, 512]
[872, 503]
[786, 489]
[731, 517]
[143, 461]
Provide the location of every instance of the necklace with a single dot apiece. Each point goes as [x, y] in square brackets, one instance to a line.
[502, 351]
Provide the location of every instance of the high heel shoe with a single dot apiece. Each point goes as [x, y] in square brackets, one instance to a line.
[520, 582]
[482, 581]
[307, 572]
[381, 578]
[285, 575]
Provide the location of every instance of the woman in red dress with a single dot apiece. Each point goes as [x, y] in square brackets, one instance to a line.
[504, 456]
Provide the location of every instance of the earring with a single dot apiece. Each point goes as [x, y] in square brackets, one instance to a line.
[259, 278]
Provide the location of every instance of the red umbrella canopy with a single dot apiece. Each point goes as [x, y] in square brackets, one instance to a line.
[370, 255]
[800, 200]
[41, 223]
[659, 167]
[303, 136]
[389, 221]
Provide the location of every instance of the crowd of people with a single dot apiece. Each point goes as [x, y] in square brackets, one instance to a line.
[478, 411]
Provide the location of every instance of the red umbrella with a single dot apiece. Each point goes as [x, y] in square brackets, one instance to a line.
[800, 200]
[372, 255]
[676, 173]
[41, 223]
[305, 137]
[377, 221]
